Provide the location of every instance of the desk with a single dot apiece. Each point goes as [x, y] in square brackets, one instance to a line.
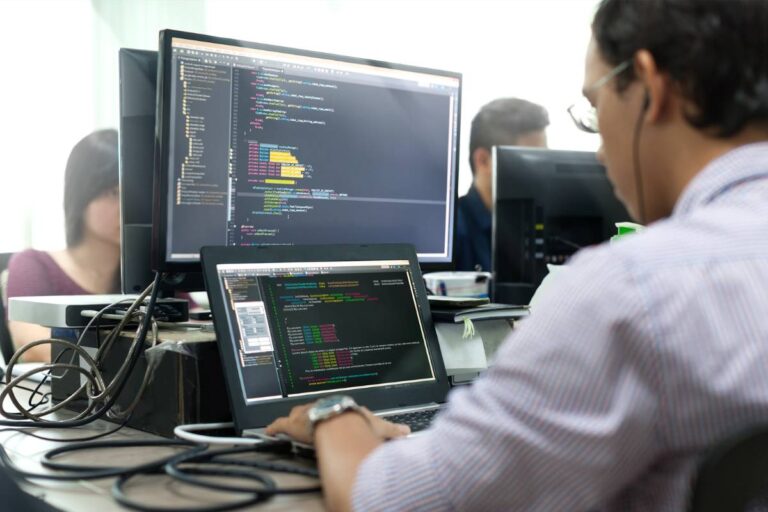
[159, 491]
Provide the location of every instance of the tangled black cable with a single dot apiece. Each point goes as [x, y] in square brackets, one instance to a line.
[174, 467]
[186, 468]
[96, 472]
[99, 392]
[77, 472]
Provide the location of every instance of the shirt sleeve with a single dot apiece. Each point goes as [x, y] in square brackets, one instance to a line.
[565, 419]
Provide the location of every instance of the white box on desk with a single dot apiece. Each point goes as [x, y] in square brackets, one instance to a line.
[470, 355]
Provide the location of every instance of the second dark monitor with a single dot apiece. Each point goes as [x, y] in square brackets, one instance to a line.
[547, 205]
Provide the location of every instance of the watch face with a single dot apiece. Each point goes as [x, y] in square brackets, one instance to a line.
[330, 406]
[330, 401]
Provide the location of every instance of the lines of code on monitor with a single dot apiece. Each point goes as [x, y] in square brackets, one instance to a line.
[279, 148]
[319, 332]
[321, 160]
[344, 330]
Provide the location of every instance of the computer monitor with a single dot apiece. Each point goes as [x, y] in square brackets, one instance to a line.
[136, 140]
[264, 145]
[547, 205]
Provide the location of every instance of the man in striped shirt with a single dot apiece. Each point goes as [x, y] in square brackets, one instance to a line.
[648, 351]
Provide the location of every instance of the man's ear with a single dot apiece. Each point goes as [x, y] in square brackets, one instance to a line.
[656, 96]
[481, 160]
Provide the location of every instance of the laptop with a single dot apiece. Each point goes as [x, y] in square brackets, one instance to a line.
[297, 323]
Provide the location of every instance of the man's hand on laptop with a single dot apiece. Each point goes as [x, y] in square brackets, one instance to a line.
[298, 427]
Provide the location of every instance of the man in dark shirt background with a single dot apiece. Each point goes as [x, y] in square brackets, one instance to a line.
[502, 122]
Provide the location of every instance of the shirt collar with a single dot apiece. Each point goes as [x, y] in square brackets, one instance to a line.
[742, 164]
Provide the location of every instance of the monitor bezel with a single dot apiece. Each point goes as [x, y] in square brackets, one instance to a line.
[162, 136]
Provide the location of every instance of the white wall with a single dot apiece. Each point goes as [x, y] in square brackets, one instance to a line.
[45, 108]
[62, 60]
[533, 49]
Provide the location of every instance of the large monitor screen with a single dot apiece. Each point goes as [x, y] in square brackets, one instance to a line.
[548, 204]
[262, 145]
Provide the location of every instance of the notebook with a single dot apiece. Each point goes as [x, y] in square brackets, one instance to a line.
[297, 323]
[485, 311]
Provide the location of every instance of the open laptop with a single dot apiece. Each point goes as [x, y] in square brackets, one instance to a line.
[296, 323]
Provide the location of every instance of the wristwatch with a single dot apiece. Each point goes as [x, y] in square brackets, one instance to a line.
[331, 406]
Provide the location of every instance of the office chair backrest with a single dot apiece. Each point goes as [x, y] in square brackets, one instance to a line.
[734, 475]
[6, 344]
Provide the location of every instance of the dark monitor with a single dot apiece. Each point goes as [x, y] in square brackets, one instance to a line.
[547, 205]
[265, 146]
[136, 140]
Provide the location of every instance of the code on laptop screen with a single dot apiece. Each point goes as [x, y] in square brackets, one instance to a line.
[304, 328]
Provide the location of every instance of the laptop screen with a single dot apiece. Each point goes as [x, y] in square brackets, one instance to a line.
[302, 328]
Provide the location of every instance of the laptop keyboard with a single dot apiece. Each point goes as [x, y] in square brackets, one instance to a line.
[417, 420]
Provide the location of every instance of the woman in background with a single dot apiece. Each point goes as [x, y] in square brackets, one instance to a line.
[91, 262]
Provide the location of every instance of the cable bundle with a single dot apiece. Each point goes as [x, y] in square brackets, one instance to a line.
[101, 395]
[191, 466]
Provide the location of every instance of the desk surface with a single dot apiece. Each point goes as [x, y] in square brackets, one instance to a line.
[159, 491]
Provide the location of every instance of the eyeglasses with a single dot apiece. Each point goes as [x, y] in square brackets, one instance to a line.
[583, 114]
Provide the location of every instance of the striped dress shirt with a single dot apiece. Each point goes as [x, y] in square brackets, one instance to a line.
[645, 353]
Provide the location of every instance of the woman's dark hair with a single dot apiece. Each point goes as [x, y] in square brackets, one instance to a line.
[91, 171]
[503, 121]
[716, 50]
